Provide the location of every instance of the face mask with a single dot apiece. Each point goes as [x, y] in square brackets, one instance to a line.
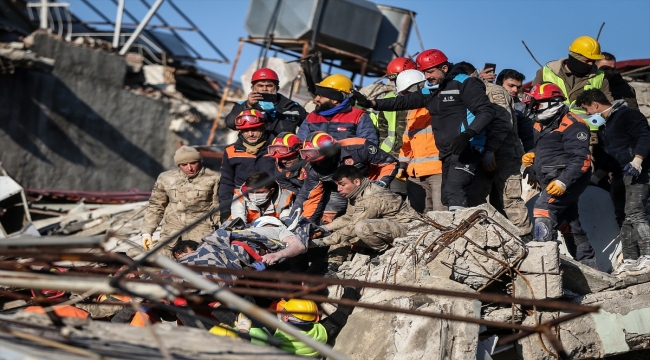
[268, 107]
[548, 113]
[260, 199]
[431, 86]
[577, 67]
[597, 119]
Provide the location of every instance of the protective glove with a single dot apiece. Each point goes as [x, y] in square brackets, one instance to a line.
[556, 188]
[147, 241]
[319, 231]
[362, 100]
[489, 161]
[531, 177]
[259, 266]
[401, 175]
[528, 159]
[633, 168]
[243, 323]
[380, 183]
[459, 143]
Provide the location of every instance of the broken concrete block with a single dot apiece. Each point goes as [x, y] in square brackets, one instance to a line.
[444, 218]
[503, 314]
[544, 286]
[542, 257]
[582, 279]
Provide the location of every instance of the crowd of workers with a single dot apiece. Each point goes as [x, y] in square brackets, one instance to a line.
[449, 137]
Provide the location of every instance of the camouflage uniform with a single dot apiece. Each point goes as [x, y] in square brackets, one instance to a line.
[374, 217]
[178, 201]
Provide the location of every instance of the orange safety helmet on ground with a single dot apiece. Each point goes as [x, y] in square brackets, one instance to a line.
[249, 119]
[265, 74]
[397, 65]
[430, 58]
[284, 145]
[314, 143]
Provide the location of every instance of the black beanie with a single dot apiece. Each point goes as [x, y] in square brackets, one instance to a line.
[330, 93]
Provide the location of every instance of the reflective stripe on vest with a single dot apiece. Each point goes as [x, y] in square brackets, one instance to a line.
[595, 82]
[391, 119]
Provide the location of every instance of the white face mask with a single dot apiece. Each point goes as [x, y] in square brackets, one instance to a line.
[549, 112]
[260, 199]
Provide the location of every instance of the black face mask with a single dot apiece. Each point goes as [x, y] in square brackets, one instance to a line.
[577, 67]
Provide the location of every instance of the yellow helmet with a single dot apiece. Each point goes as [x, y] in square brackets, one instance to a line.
[305, 310]
[337, 82]
[219, 331]
[587, 47]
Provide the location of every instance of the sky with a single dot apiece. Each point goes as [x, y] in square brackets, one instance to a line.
[477, 31]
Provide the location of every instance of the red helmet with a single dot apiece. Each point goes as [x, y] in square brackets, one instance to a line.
[313, 143]
[397, 65]
[48, 294]
[265, 74]
[284, 145]
[544, 92]
[430, 58]
[249, 119]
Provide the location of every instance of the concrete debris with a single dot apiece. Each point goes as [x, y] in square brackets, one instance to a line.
[15, 218]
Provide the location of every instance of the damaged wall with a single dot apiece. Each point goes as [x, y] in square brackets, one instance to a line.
[77, 128]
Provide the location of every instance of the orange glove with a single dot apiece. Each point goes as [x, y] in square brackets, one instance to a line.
[556, 188]
[528, 159]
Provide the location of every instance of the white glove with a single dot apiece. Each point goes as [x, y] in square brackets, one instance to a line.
[243, 323]
[147, 241]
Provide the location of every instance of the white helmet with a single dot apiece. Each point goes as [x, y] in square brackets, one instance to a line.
[408, 78]
[267, 220]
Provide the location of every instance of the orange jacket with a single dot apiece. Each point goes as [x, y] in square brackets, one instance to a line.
[60, 310]
[418, 145]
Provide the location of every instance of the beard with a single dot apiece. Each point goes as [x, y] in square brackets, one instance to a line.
[324, 106]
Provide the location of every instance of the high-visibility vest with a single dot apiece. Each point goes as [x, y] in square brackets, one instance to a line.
[391, 119]
[595, 82]
[418, 145]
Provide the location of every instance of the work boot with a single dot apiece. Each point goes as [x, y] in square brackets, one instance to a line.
[544, 229]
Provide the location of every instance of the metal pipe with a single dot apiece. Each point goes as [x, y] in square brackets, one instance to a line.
[224, 94]
[140, 27]
[118, 24]
[51, 241]
[246, 307]
[43, 14]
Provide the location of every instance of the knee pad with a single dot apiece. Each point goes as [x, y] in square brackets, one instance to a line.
[544, 229]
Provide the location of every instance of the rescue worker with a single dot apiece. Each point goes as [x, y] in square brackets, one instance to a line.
[621, 89]
[318, 197]
[419, 158]
[336, 114]
[562, 163]
[181, 196]
[375, 216]
[625, 137]
[283, 114]
[512, 81]
[284, 149]
[300, 313]
[576, 73]
[460, 113]
[247, 155]
[269, 200]
[499, 177]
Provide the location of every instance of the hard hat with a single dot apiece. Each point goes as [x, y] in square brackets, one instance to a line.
[305, 310]
[545, 92]
[337, 82]
[430, 58]
[249, 119]
[587, 47]
[284, 145]
[219, 331]
[313, 143]
[267, 220]
[399, 64]
[49, 294]
[408, 78]
[265, 74]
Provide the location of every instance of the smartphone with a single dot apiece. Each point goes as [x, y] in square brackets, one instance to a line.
[491, 66]
[268, 97]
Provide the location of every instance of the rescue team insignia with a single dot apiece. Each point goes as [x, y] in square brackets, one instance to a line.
[372, 149]
[348, 161]
[582, 136]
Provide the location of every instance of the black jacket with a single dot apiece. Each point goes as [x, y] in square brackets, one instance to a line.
[621, 90]
[524, 126]
[287, 117]
[449, 107]
[562, 150]
[625, 134]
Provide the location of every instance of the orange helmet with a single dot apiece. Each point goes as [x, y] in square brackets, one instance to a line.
[249, 119]
[430, 58]
[284, 145]
[314, 143]
[397, 65]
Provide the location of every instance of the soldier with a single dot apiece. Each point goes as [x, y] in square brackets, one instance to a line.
[562, 163]
[374, 217]
[181, 196]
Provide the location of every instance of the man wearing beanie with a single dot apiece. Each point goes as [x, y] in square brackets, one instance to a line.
[576, 73]
[335, 113]
[179, 197]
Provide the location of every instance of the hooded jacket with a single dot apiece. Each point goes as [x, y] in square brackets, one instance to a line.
[624, 135]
